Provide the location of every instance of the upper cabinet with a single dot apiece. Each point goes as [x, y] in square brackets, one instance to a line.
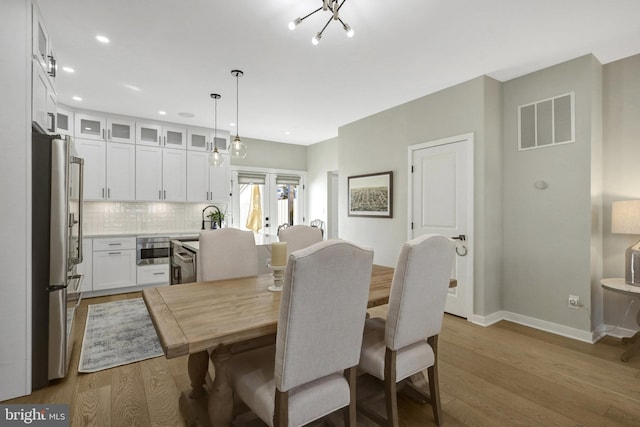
[202, 139]
[106, 128]
[64, 121]
[158, 135]
[43, 101]
[42, 48]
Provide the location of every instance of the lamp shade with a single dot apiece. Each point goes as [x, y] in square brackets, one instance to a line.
[625, 217]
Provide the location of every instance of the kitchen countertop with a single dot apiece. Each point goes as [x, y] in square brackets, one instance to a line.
[261, 239]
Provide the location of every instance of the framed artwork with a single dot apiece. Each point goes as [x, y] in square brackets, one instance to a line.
[371, 195]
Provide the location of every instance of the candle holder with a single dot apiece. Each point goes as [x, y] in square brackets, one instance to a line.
[278, 277]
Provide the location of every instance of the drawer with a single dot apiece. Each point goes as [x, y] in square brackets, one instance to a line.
[153, 274]
[113, 243]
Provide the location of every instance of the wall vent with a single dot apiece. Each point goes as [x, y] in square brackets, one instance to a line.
[546, 123]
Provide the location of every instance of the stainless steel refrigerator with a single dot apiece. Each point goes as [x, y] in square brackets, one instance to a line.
[57, 177]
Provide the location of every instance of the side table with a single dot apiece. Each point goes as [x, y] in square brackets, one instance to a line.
[620, 287]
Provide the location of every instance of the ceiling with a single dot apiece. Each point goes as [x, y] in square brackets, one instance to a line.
[170, 55]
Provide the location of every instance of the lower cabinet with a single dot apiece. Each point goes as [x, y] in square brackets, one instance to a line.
[153, 274]
[114, 263]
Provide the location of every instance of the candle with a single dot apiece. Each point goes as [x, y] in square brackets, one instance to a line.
[279, 253]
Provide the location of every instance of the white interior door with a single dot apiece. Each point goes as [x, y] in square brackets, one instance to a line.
[442, 203]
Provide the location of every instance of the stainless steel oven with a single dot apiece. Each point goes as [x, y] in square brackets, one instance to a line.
[152, 250]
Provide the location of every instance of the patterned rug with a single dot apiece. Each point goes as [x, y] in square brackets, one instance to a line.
[117, 333]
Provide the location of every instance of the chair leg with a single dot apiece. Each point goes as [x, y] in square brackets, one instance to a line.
[391, 399]
[281, 409]
[434, 386]
[350, 411]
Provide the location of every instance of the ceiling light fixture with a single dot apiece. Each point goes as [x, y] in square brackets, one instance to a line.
[76, 98]
[215, 158]
[238, 148]
[102, 39]
[162, 113]
[332, 6]
[68, 70]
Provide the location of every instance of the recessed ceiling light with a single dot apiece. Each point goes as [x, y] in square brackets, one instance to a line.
[68, 69]
[187, 115]
[132, 87]
[102, 39]
[287, 133]
[162, 113]
[232, 124]
[77, 98]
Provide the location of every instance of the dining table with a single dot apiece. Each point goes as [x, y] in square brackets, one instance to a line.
[216, 319]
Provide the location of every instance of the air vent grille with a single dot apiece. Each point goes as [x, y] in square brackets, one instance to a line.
[546, 123]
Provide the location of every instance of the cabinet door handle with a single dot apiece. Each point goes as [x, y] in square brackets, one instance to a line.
[165, 194]
[109, 134]
[164, 138]
[103, 192]
[108, 193]
[115, 244]
[103, 136]
[160, 273]
[159, 194]
[53, 66]
[159, 140]
[52, 120]
[115, 253]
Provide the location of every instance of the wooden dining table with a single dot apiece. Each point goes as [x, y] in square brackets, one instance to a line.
[214, 320]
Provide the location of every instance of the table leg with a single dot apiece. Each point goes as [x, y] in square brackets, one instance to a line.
[197, 367]
[634, 341]
[221, 395]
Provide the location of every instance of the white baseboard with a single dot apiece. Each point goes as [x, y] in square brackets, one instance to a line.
[543, 325]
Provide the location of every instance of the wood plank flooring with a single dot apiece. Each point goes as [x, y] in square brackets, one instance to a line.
[502, 375]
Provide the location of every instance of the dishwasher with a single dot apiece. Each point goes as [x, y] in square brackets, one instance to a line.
[183, 263]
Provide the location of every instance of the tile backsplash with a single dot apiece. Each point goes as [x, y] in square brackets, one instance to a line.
[141, 218]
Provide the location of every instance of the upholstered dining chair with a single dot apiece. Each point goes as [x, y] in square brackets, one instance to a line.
[311, 370]
[318, 223]
[226, 253]
[300, 236]
[407, 342]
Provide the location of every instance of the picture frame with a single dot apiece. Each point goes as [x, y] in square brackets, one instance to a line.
[371, 195]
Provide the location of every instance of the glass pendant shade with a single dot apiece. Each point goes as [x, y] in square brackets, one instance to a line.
[238, 149]
[216, 159]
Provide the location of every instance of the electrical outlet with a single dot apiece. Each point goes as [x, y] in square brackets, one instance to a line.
[574, 301]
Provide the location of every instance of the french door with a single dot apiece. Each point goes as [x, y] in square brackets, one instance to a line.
[262, 201]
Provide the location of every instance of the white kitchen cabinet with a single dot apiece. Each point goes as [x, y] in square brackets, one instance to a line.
[158, 135]
[206, 183]
[64, 120]
[161, 174]
[86, 266]
[114, 263]
[202, 139]
[104, 128]
[43, 100]
[42, 47]
[109, 170]
[157, 274]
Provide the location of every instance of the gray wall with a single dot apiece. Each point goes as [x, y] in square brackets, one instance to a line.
[380, 143]
[270, 154]
[621, 111]
[547, 233]
[15, 215]
[322, 158]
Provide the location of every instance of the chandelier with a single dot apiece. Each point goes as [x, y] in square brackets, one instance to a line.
[332, 6]
[238, 148]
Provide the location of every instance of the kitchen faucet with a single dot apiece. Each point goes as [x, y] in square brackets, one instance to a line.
[219, 215]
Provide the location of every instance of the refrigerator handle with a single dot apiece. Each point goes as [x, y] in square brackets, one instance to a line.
[80, 162]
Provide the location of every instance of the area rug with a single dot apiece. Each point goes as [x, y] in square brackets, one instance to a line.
[117, 333]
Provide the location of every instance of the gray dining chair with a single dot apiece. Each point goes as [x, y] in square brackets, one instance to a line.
[407, 342]
[226, 253]
[310, 372]
[300, 236]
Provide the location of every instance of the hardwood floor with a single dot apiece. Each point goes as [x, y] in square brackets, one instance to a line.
[502, 375]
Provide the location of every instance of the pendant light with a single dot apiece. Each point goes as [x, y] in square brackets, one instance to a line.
[215, 158]
[238, 148]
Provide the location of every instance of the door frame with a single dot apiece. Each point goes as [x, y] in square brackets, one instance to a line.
[269, 172]
[468, 138]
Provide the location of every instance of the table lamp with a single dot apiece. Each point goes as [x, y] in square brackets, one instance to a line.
[625, 219]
